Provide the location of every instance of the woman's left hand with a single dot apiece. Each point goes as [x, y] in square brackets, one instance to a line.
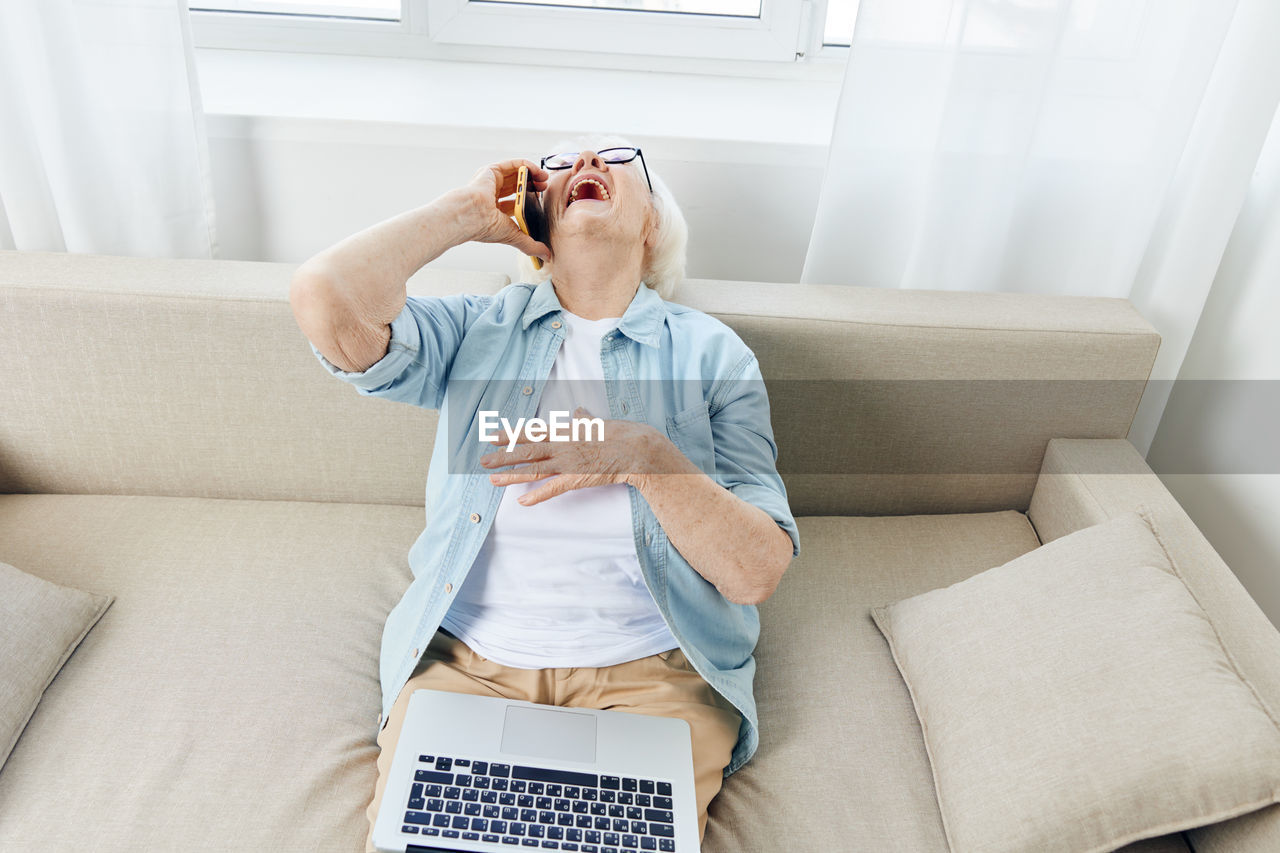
[628, 451]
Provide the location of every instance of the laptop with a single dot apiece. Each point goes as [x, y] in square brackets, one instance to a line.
[481, 773]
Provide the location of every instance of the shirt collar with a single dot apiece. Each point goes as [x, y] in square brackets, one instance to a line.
[542, 302]
[642, 321]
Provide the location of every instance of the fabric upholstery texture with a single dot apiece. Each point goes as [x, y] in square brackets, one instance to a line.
[231, 696]
[190, 378]
[41, 624]
[838, 733]
[902, 403]
[1078, 698]
[1087, 482]
[257, 663]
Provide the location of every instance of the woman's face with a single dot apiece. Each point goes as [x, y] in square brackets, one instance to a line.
[595, 201]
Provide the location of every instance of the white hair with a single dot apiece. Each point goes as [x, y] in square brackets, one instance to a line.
[663, 263]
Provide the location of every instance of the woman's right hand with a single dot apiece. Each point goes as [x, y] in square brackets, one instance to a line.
[489, 210]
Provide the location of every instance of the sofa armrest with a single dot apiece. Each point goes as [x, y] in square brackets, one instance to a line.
[1086, 481]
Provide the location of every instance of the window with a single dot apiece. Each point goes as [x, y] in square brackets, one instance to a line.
[378, 10]
[596, 31]
[769, 34]
[735, 8]
[838, 30]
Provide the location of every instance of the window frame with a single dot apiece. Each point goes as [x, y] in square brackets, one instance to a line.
[772, 36]
[788, 34]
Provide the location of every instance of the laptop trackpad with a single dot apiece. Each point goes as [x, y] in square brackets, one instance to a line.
[564, 735]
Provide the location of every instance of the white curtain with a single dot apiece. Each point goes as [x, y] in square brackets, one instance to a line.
[102, 142]
[1091, 147]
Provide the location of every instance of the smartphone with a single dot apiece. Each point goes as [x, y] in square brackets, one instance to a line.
[528, 211]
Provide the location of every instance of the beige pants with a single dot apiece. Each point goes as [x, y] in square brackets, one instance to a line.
[664, 684]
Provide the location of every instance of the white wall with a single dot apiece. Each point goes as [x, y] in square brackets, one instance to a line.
[285, 188]
[1215, 432]
[307, 149]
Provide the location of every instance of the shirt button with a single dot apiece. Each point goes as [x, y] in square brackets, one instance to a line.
[648, 537]
[475, 518]
[555, 324]
[415, 653]
[624, 407]
[448, 587]
[527, 390]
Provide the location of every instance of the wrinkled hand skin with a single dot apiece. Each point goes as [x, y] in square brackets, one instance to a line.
[629, 452]
[487, 208]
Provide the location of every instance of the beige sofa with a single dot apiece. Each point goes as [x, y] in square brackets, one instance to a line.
[167, 437]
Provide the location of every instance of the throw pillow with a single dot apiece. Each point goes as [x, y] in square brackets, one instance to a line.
[1078, 698]
[41, 624]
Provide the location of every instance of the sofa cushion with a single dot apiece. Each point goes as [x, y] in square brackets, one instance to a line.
[234, 685]
[1078, 698]
[230, 698]
[839, 738]
[40, 626]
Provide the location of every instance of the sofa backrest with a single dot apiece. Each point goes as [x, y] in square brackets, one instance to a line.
[895, 402]
[174, 377]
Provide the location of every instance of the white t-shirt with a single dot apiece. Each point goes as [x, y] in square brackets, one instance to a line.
[558, 584]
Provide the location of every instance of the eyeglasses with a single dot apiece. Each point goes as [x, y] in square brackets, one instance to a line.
[612, 156]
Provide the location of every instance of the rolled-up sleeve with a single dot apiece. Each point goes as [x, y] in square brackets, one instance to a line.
[746, 454]
[425, 337]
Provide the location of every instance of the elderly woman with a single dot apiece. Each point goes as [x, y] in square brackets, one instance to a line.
[617, 572]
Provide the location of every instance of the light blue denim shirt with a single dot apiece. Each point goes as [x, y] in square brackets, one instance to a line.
[677, 369]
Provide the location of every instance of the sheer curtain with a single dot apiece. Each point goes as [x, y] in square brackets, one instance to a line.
[102, 143]
[1093, 147]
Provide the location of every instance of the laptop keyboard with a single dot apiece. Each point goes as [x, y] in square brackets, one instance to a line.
[525, 806]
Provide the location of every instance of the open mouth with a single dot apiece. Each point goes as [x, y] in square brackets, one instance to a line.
[587, 189]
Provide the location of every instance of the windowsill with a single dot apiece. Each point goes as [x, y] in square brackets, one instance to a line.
[792, 110]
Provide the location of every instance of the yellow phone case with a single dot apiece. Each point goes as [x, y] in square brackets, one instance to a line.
[522, 187]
